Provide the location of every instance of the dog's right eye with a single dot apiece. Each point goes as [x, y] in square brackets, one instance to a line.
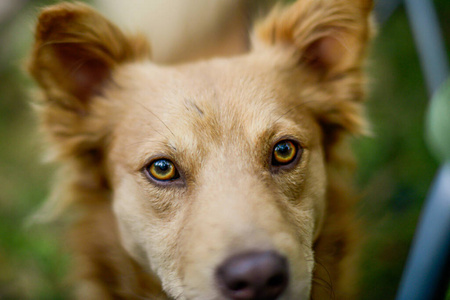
[162, 170]
[285, 154]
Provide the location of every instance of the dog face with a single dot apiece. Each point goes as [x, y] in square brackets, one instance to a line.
[221, 125]
[217, 169]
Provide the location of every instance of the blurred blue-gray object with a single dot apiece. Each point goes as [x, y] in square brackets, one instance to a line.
[426, 275]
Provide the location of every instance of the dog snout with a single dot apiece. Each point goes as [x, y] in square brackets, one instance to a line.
[253, 275]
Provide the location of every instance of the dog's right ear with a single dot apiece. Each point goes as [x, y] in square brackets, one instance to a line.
[75, 51]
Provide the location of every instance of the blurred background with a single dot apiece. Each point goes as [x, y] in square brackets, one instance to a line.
[395, 168]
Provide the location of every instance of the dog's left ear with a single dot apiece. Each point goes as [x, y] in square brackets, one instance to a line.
[329, 36]
[327, 41]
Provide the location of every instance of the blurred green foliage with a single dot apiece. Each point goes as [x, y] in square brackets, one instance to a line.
[395, 167]
[438, 123]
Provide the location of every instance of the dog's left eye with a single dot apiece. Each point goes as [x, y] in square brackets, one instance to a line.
[162, 170]
[285, 153]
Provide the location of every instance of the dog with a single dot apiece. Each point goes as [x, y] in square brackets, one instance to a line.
[223, 178]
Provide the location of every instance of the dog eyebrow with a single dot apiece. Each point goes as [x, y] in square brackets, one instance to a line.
[172, 146]
[188, 103]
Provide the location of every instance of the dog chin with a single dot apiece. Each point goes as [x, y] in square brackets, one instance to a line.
[301, 291]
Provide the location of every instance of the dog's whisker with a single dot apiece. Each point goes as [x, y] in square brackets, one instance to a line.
[156, 116]
[153, 128]
[322, 282]
[330, 280]
[325, 287]
[292, 108]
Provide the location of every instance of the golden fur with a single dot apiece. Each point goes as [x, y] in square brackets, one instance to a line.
[107, 110]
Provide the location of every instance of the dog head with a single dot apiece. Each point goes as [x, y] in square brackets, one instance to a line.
[217, 171]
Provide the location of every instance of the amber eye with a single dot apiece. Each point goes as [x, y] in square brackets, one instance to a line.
[284, 153]
[162, 170]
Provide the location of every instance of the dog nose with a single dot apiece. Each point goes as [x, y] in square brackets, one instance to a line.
[253, 275]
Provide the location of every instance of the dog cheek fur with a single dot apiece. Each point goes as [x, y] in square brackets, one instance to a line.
[147, 237]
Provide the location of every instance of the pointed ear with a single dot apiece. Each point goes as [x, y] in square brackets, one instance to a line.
[75, 51]
[321, 45]
[327, 36]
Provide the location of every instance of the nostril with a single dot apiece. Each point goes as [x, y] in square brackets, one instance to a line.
[253, 275]
[238, 285]
[276, 280]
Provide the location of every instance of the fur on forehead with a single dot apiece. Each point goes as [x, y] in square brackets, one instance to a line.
[174, 107]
